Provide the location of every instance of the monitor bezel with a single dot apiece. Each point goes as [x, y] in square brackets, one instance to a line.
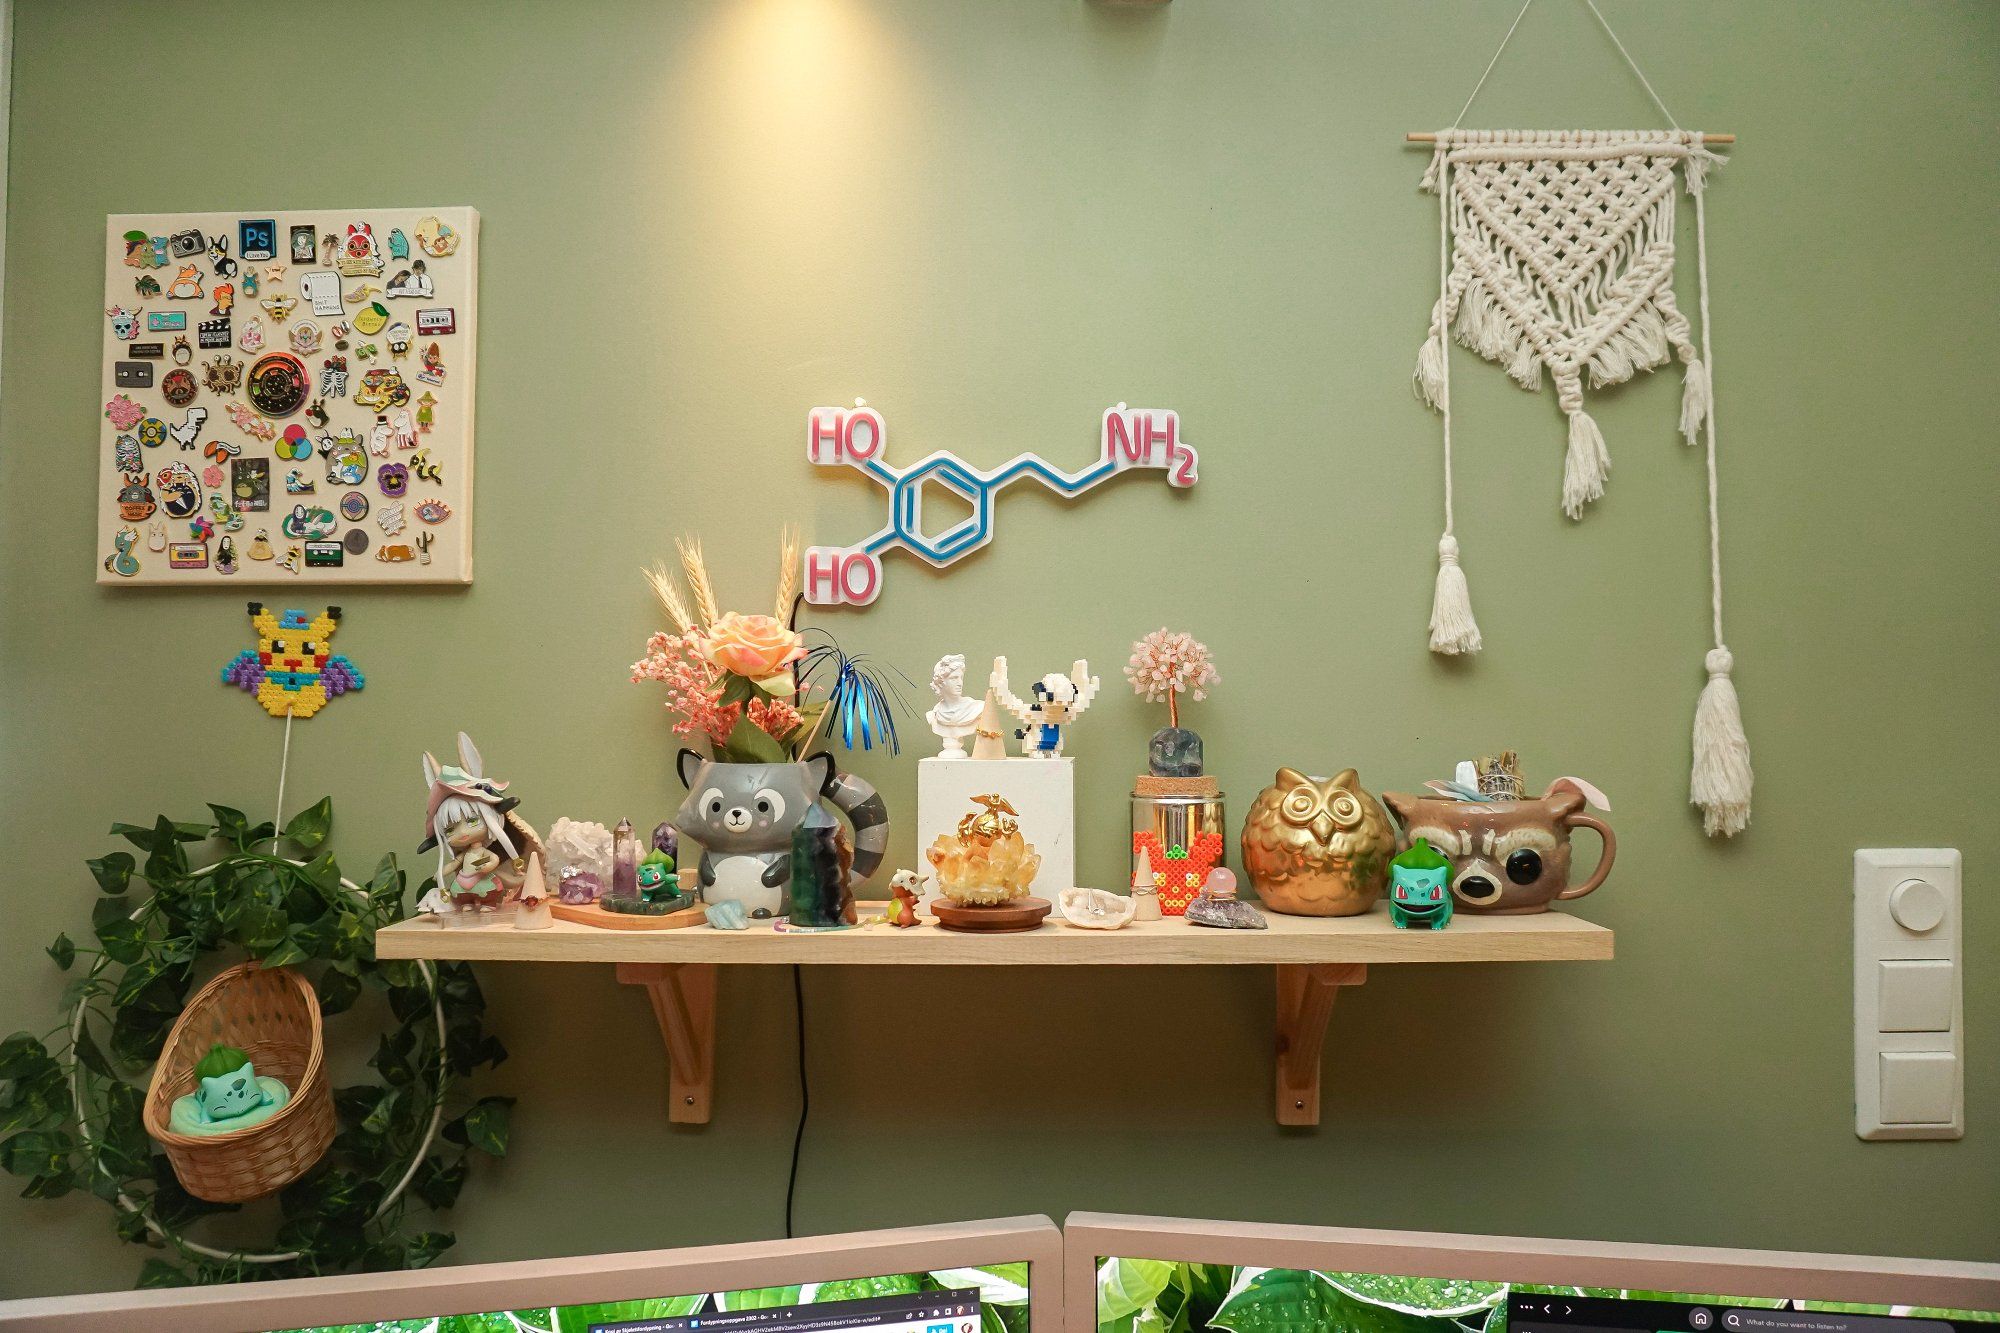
[476, 1288]
[1677, 1268]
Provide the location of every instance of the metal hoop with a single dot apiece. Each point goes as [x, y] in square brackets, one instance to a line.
[131, 1205]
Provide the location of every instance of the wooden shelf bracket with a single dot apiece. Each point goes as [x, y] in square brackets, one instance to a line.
[683, 996]
[1306, 992]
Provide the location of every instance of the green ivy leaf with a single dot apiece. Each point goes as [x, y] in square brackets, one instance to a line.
[138, 1034]
[736, 690]
[123, 938]
[386, 885]
[167, 859]
[486, 1125]
[52, 1186]
[231, 824]
[337, 989]
[438, 1182]
[36, 1152]
[160, 1273]
[309, 827]
[88, 1055]
[22, 1054]
[139, 835]
[288, 952]
[112, 871]
[258, 927]
[123, 1148]
[421, 1249]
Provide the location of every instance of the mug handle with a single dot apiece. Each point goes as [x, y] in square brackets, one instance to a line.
[1604, 858]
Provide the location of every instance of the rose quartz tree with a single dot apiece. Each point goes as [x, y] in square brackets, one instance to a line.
[1165, 665]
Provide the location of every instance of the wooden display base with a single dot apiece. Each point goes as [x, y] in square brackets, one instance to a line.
[1001, 918]
[590, 914]
[1313, 958]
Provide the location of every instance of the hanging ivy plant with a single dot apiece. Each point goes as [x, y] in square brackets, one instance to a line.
[71, 1101]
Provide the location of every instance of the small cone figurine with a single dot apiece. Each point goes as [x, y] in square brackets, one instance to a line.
[1145, 894]
[989, 738]
[531, 910]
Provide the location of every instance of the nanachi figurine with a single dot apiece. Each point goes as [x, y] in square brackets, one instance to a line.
[1419, 889]
[486, 854]
[1058, 702]
[955, 716]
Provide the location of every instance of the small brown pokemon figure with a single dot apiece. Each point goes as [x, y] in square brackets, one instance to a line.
[1318, 846]
[902, 910]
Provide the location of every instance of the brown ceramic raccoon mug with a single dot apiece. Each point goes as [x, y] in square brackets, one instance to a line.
[1507, 857]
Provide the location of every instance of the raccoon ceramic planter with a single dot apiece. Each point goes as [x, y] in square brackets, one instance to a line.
[1507, 857]
[743, 816]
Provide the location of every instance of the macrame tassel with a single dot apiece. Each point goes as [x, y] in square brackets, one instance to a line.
[1453, 630]
[1429, 379]
[1695, 397]
[1429, 183]
[1720, 783]
[1585, 466]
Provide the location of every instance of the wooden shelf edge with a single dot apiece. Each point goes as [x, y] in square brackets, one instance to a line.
[1367, 940]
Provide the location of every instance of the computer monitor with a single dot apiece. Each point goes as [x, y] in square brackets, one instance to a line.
[1166, 1275]
[972, 1277]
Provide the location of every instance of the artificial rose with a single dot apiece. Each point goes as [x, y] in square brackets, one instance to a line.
[757, 647]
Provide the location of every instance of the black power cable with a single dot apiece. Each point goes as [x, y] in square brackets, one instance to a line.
[805, 1099]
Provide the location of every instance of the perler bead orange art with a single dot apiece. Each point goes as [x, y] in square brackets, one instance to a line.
[293, 671]
[1179, 872]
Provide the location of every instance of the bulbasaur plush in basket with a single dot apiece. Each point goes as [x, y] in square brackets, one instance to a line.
[229, 1095]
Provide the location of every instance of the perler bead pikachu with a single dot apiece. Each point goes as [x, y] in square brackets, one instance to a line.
[293, 671]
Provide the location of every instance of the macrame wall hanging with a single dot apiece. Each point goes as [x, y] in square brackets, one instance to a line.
[1556, 255]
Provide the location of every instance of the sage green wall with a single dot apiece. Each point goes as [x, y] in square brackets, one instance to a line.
[992, 220]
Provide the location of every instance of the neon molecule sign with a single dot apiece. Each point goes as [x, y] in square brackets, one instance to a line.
[1130, 438]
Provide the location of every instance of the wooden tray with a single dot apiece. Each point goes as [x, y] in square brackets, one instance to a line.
[590, 914]
[1021, 914]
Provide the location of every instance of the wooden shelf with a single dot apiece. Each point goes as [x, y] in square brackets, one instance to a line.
[1545, 938]
[1314, 957]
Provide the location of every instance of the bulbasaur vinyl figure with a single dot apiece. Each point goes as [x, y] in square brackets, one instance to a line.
[1420, 889]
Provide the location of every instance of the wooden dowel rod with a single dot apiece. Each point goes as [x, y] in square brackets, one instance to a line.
[1426, 136]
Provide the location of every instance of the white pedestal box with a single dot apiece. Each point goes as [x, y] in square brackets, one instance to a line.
[1042, 791]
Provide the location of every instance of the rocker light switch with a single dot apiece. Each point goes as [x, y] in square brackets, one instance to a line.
[1918, 1087]
[1909, 1017]
[1915, 995]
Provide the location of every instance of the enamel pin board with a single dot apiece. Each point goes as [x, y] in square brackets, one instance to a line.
[287, 397]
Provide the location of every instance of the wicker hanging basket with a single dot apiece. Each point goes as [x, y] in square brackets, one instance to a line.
[273, 1017]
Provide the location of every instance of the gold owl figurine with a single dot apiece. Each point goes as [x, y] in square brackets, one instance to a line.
[1317, 846]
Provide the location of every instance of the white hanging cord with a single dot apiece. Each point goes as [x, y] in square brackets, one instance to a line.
[1720, 779]
[1602, 22]
[1632, 64]
[1444, 334]
[1708, 365]
[1453, 628]
[1497, 52]
[284, 762]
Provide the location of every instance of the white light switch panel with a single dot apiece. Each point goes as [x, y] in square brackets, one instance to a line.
[1909, 1011]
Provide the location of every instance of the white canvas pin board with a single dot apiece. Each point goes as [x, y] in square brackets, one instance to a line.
[287, 396]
